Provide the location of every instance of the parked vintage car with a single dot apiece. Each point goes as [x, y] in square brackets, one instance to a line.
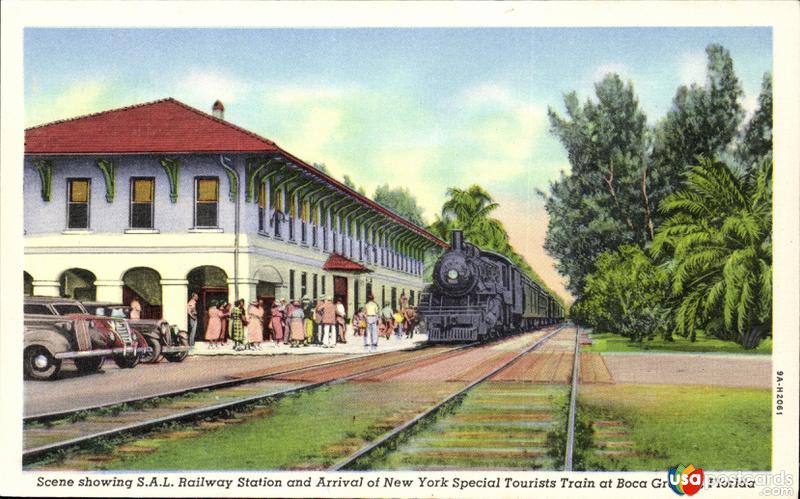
[161, 337]
[50, 309]
[56, 329]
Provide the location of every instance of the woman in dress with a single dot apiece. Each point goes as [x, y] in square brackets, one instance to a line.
[225, 308]
[237, 326]
[214, 326]
[277, 323]
[255, 324]
[296, 326]
[308, 321]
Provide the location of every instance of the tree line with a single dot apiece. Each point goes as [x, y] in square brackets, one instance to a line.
[667, 229]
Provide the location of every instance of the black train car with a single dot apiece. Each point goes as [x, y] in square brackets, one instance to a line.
[477, 295]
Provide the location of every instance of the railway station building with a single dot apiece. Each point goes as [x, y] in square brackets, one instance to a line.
[161, 200]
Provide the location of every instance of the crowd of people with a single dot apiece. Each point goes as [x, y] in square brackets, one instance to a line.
[299, 323]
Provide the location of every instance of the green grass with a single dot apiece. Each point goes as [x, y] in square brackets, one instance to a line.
[709, 427]
[609, 342]
[303, 430]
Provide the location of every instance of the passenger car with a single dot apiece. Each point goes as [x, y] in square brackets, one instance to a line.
[161, 337]
[51, 337]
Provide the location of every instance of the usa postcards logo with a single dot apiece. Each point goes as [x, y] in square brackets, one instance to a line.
[685, 481]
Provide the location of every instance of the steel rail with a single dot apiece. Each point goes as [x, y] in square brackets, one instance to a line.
[392, 434]
[31, 455]
[50, 416]
[572, 403]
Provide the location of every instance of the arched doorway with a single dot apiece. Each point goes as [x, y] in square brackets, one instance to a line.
[78, 284]
[211, 285]
[27, 284]
[144, 284]
[268, 278]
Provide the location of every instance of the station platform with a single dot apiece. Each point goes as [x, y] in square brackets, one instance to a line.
[354, 346]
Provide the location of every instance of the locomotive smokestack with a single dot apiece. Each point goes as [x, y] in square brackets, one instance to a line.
[457, 240]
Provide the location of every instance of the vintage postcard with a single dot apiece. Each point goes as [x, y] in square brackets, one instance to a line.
[392, 250]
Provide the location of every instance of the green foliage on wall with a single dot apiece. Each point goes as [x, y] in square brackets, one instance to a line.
[171, 167]
[45, 169]
[109, 170]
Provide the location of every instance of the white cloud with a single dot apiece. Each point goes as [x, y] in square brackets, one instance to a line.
[203, 86]
[487, 94]
[78, 99]
[619, 68]
[692, 67]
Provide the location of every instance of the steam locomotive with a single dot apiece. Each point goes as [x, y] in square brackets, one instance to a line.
[479, 295]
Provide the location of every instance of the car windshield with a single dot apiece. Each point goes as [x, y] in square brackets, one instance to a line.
[64, 309]
[35, 308]
[117, 312]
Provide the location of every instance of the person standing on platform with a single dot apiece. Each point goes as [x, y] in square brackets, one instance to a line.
[237, 325]
[318, 322]
[308, 321]
[213, 333]
[371, 320]
[360, 323]
[341, 324]
[328, 323]
[296, 326]
[387, 319]
[398, 325]
[225, 308]
[285, 310]
[191, 312]
[277, 324]
[255, 324]
[136, 309]
[403, 301]
[410, 316]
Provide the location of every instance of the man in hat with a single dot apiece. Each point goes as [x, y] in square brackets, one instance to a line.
[327, 312]
[340, 322]
[371, 313]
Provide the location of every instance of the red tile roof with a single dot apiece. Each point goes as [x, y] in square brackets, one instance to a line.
[337, 262]
[164, 126]
[169, 126]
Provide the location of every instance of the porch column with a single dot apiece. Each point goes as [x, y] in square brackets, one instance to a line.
[174, 296]
[109, 290]
[247, 289]
[46, 288]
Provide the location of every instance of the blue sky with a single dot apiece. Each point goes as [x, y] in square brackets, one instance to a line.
[428, 108]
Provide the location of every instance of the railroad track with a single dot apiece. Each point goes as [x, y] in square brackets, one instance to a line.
[390, 439]
[55, 432]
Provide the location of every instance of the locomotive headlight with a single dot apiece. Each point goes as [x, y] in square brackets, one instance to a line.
[452, 274]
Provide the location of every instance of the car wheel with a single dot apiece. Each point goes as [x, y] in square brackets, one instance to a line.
[183, 341]
[40, 364]
[125, 362]
[155, 351]
[89, 364]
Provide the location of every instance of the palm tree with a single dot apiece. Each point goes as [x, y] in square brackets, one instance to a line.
[468, 208]
[719, 232]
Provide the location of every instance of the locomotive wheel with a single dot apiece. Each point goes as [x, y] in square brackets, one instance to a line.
[89, 364]
[40, 364]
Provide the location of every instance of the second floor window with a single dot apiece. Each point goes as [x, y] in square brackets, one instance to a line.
[78, 203]
[206, 200]
[142, 190]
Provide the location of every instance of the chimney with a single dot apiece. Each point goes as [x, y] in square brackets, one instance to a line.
[218, 110]
[457, 240]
